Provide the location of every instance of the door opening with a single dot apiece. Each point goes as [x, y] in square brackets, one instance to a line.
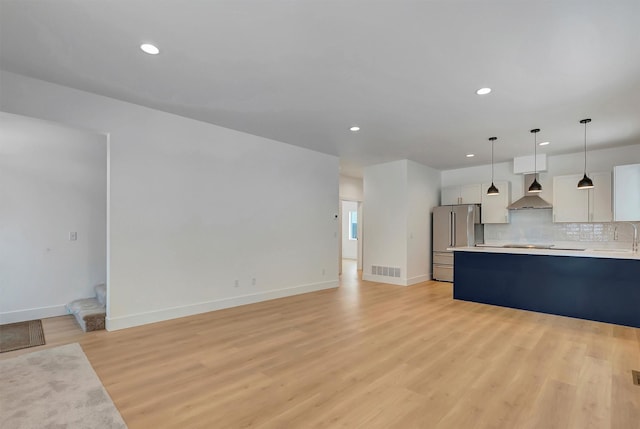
[350, 251]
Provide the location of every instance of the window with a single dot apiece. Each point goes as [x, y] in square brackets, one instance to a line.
[353, 225]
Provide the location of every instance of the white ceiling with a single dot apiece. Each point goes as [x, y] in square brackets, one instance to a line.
[303, 72]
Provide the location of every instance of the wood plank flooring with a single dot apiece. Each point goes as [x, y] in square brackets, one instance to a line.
[367, 355]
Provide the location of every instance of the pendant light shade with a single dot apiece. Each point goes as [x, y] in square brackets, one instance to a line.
[535, 186]
[585, 182]
[492, 189]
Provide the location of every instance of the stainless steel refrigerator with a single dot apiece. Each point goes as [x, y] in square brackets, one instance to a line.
[453, 226]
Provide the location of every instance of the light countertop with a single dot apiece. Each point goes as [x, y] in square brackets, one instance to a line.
[587, 253]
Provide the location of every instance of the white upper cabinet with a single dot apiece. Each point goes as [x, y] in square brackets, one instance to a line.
[626, 195]
[471, 194]
[571, 204]
[466, 194]
[600, 207]
[450, 195]
[494, 207]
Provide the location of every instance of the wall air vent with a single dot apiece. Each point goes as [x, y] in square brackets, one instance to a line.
[378, 270]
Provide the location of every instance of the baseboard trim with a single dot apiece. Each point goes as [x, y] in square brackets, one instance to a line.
[32, 314]
[123, 322]
[384, 279]
[396, 281]
[418, 279]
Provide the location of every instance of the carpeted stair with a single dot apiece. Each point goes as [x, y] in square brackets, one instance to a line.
[90, 312]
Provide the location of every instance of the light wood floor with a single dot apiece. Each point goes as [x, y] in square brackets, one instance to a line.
[367, 355]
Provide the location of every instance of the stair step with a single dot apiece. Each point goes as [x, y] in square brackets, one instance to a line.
[89, 313]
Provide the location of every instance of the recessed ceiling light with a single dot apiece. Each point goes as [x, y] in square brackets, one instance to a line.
[150, 49]
[483, 91]
[354, 129]
[470, 155]
[543, 143]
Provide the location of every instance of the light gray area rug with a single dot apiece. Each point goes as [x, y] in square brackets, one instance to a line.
[54, 388]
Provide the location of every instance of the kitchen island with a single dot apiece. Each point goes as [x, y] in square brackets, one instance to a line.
[588, 284]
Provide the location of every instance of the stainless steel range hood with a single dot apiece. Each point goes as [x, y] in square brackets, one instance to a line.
[530, 200]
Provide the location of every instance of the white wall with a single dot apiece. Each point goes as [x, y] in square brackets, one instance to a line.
[424, 194]
[349, 247]
[53, 181]
[193, 207]
[385, 220]
[351, 188]
[399, 197]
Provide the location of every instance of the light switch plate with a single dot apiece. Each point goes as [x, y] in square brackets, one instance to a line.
[73, 236]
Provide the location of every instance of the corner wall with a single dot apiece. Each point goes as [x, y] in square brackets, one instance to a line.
[398, 199]
[196, 209]
[424, 194]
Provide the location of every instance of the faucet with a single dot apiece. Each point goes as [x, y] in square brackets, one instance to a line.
[634, 246]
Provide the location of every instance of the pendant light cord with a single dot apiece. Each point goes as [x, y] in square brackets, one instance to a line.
[535, 153]
[492, 141]
[535, 186]
[585, 148]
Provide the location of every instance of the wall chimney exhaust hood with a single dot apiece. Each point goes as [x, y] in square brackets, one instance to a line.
[530, 200]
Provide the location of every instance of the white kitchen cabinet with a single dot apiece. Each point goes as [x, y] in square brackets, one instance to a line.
[626, 194]
[471, 194]
[466, 194]
[450, 195]
[600, 207]
[571, 204]
[494, 207]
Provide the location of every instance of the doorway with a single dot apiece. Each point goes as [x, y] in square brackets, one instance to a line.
[351, 236]
[53, 226]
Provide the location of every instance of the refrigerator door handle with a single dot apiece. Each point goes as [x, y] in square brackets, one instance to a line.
[453, 229]
[450, 228]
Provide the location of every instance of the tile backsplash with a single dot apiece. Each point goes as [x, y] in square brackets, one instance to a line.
[537, 227]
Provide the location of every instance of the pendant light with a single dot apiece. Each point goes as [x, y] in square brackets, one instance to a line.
[492, 189]
[585, 182]
[535, 186]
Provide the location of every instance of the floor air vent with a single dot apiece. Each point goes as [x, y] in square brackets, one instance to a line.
[378, 270]
[636, 377]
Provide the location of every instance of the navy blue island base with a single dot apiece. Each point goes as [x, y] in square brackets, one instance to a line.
[600, 289]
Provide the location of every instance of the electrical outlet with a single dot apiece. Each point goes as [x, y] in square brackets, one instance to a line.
[323, 271]
[73, 236]
[253, 281]
[236, 283]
